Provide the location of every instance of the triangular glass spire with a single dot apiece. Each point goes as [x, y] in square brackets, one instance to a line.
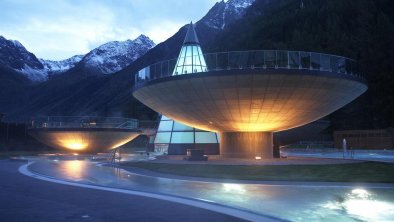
[173, 137]
[191, 59]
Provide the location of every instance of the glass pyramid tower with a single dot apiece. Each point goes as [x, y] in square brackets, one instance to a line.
[190, 59]
[173, 137]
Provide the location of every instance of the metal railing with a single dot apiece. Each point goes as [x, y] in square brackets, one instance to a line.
[84, 122]
[259, 59]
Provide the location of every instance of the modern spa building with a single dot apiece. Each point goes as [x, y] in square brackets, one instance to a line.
[245, 96]
[84, 134]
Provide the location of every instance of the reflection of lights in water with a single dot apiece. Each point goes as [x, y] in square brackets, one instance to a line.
[361, 193]
[233, 188]
[74, 168]
[360, 204]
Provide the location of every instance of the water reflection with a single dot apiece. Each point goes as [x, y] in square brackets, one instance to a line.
[363, 205]
[295, 203]
[74, 169]
[233, 188]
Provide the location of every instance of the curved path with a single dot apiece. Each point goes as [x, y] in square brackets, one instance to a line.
[24, 198]
[288, 201]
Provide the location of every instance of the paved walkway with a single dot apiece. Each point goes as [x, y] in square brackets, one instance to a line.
[302, 202]
[24, 198]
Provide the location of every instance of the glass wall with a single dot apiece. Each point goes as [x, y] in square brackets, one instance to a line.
[190, 60]
[170, 131]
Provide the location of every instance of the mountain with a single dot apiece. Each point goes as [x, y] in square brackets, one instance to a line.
[361, 30]
[105, 59]
[114, 56]
[13, 55]
[78, 92]
[223, 13]
[57, 67]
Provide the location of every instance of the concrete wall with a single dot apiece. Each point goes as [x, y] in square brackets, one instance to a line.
[246, 144]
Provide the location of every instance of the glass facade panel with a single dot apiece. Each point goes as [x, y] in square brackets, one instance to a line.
[144, 74]
[270, 59]
[206, 137]
[325, 62]
[257, 59]
[190, 60]
[294, 60]
[182, 137]
[315, 60]
[163, 137]
[210, 59]
[305, 59]
[233, 60]
[165, 125]
[164, 69]
[222, 60]
[282, 59]
[341, 65]
[334, 63]
[163, 117]
[181, 127]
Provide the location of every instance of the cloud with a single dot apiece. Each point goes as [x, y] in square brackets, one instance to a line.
[59, 29]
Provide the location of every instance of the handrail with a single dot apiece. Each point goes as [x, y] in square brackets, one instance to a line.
[258, 59]
[84, 122]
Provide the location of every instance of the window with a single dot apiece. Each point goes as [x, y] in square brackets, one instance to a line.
[325, 62]
[315, 60]
[181, 127]
[206, 137]
[294, 60]
[270, 59]
[182, 137]
[305, 60]
[190, 60]
[165, 125]
[163, 137]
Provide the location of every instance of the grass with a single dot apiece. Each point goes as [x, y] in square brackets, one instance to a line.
[355, 172]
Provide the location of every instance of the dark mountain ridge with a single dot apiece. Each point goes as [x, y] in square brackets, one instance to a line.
[361, 30]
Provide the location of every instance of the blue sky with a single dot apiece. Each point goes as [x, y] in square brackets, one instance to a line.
[59, 29]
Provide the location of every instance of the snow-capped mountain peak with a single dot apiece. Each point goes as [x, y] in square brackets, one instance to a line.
[144, 40]
[114, 56]
[224, 13]
[107, 58]
[53, 67]
[15, 56]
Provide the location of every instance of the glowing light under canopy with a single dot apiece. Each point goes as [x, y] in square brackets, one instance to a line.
[84, 140]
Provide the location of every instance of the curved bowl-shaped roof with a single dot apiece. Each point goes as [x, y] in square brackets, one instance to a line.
[86, 140]
[250, 99]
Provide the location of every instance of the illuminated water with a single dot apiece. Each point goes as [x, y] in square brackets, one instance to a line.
[373, 155]
[295, 203]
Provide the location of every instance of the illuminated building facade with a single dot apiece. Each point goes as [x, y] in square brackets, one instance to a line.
[175, 138]
[248, 95]
[84, 134]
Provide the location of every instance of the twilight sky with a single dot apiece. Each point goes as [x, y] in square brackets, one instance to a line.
[59, 29]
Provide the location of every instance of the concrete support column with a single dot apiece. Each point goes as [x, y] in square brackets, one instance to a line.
[246, 144]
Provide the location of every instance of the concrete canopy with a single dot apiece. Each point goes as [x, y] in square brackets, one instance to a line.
[249, 102]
